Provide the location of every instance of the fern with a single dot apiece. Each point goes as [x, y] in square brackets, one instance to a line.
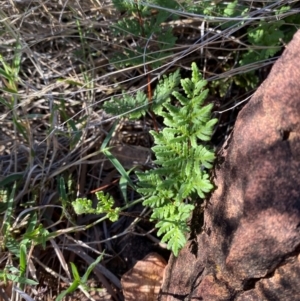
[135, 107]
[183, 157]
[182, 162]
[140, 22]
[267, 36]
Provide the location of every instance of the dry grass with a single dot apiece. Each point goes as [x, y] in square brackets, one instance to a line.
[52, 124]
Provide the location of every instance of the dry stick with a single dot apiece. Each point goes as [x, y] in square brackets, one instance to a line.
[147, 70]
[150, 102]
[104, 186]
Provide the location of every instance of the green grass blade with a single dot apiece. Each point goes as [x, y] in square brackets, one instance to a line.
[10, 179]
[22, 280]
[116, 163]
[23, 259]
[109, 135]
[62, 192]
[75, 272]
[17, 59]
[71, 289]
[86, 275]
[9, 211]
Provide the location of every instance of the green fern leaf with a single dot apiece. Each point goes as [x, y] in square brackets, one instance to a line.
[164, 228]
[135, 107]
[182, 99]
[176, 240]
[180, 161]
[203, 186]
[165, 87]
[196, 75]
[188, 87]
[205, 156]
[199, 86]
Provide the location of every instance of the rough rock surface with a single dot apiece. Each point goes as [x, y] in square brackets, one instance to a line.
[249, 249]
[144, 280]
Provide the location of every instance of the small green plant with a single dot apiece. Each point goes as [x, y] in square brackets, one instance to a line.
[105, 205]
[182, 157]
[18, 248]
[19, 235]
[136, 106]
[153, 42]
[9, 74]
[79, 282]
[262, 38]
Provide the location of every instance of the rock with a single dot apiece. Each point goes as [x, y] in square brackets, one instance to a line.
[144, 280]
[250, 247]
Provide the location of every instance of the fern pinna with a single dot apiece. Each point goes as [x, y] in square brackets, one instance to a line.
[182, 162]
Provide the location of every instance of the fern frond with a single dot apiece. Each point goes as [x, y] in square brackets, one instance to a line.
[165, 212]
[173, 230]
[199, 89]
[199, 98]
[164, 89]
[204, 114]
[196, 75]
[205, 131]
[205, 156]
[181, 160]
[135, 107]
